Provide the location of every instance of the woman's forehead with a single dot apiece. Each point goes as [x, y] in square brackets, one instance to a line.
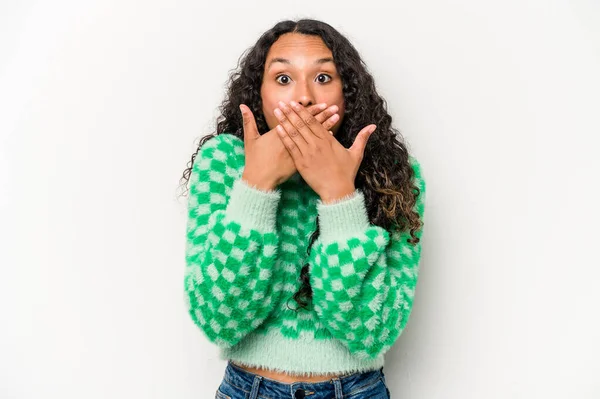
[296, 45]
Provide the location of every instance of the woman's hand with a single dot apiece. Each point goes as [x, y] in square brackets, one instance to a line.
[326, 166]
[268, 163]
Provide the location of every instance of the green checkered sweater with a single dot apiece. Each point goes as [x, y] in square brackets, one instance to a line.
[246, 247]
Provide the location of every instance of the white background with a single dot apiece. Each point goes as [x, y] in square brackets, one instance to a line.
[102, 103]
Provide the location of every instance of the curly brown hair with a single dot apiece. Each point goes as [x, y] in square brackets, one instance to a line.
[385, 175]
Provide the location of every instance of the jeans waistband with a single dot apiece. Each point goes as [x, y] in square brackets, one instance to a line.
[251, 383]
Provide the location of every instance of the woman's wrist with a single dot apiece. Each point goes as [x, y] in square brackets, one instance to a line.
[260, 183]
[337, 194]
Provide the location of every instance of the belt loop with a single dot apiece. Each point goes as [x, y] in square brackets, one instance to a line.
[255, 385]
[337, 385]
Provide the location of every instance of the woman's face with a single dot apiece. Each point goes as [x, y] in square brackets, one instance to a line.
[300, 68]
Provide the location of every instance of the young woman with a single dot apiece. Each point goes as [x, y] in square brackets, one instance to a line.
[305, 218]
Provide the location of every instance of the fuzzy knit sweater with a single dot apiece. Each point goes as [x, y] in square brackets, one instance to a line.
[245, 249]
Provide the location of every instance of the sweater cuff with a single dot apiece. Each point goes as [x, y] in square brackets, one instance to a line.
[344, 218]
[252, 207]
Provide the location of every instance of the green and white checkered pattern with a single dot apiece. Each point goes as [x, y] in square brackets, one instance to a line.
[364, 288]
[245, 248]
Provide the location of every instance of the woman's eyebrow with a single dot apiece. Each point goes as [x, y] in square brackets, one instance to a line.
[288, 62]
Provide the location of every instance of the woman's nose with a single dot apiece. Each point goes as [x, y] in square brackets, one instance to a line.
[304, 95]
[306, 101]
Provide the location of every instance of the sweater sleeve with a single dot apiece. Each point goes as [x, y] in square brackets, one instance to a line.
[364, 277]
[231, 245]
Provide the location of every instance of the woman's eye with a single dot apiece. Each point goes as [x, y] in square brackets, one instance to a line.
[319, 78]
[282, 76]
[324, 75]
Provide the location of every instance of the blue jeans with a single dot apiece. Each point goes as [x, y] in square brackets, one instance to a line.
[241, 384]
